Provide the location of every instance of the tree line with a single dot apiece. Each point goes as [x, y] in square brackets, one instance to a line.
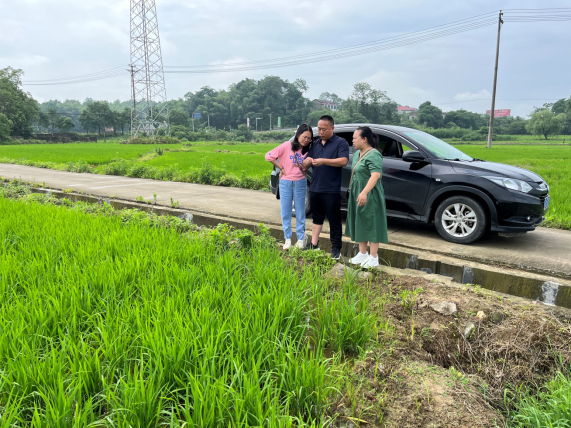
[264, 102]
[550, 119]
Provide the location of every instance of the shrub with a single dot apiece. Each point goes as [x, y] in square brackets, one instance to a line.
[274, 136]
[477, 136]
[115, 168]
[147, 140]
[446, 132]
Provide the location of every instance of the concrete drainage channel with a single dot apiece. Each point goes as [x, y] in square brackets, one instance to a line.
[546, 289]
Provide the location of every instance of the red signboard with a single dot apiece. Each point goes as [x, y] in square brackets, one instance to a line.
[501, 113]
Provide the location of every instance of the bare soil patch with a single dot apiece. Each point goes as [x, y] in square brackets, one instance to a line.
[432, 370]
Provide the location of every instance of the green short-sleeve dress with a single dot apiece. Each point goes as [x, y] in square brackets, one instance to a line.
[369, 222]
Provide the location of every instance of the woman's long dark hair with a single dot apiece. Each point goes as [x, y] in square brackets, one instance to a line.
[367, 133]
[295, 144]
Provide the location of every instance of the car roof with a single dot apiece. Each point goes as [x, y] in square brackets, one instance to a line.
[347, 127]
[350, 127]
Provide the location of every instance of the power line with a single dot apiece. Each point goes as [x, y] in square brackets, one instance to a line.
[386, 44]
[319, 59]
[352, 47]
[444, 30]
[77, 80]
[390, 43]
[499, 99]
[105, 72]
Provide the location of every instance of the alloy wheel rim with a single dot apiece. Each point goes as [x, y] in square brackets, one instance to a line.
[459, 220]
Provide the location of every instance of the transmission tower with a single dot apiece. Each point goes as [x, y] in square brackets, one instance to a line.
[149, 112]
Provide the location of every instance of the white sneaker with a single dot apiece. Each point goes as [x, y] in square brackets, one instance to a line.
[359, 258]
[287, 244]
[371, 262]
[300, 243]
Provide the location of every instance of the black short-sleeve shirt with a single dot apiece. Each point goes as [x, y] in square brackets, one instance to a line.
[327, 179]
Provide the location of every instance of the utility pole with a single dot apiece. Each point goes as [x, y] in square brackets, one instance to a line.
[270, 121]
[134, 108]
[258, 118]
[492, 112]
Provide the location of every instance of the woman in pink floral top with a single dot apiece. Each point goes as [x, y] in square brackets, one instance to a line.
[288, 157]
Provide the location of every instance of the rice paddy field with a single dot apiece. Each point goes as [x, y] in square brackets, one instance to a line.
[243, 164]
[113, 321]
[89, 153]
[236, 159]
[126, 319]
[519, 140]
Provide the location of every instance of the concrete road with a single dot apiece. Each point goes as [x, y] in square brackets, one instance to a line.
[544, 250]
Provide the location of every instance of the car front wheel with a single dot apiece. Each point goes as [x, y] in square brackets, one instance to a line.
[461, 219]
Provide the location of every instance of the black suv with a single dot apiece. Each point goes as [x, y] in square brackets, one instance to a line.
[428, 180]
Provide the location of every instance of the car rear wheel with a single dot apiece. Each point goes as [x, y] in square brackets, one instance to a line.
[461, 219]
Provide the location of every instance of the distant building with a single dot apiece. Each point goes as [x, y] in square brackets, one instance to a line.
[320, 104]
[410, 111]
[506, 112]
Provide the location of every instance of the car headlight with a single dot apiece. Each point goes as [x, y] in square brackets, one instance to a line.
[512, 184]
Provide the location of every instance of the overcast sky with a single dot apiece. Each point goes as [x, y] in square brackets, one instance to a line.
[63, 38]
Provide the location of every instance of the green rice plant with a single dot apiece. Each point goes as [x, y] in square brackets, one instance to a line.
[117, 319]
[344, 321]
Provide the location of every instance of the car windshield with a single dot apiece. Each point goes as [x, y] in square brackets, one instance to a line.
[438, 147]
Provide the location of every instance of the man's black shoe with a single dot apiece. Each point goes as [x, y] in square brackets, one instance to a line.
[335, 253]
[310, 246]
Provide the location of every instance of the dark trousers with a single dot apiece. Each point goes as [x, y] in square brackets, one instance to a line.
[328, 205]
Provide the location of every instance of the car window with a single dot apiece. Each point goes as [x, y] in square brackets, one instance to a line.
[437, 147]
[347, 136]
[406, 148]
[384, 143]
[391, 148]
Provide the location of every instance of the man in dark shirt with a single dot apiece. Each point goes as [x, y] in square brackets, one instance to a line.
[328, 155]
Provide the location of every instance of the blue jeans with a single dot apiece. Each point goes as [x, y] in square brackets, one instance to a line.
[293, 191]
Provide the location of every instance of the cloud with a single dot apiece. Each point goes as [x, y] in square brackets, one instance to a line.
[400, 86]
[25, 61]
[482, 94]
[62, 38]
[98, 32]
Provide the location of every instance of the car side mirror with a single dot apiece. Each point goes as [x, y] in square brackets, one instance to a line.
[413, 156]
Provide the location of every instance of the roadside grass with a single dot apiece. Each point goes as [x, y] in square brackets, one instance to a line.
[114, 320]
[550, 406]
[551, 163]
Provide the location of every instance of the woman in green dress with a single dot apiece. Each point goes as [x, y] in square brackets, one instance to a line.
[366, 213]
